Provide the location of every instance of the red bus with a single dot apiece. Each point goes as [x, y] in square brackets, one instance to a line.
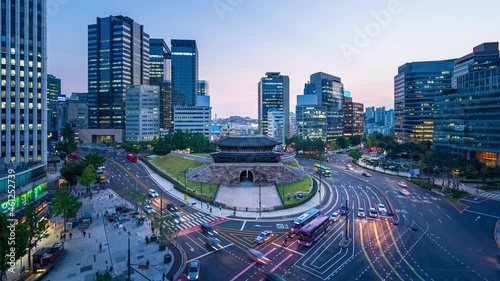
[131, 157]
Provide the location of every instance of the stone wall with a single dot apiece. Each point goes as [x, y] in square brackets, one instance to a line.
[230, 173]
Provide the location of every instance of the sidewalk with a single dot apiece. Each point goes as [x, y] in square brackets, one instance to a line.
[82, 258]
[168, 187]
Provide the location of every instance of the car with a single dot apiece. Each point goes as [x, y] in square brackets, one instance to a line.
[382, 209]
[149, 210]
[171, 207]
[335, 216]
[367, 174]
[213, 243]
[349, 168]
[402, 184]
[177, 218]
[373, 213]
[208, 229]
[404, 192]
[153, 193]
[361, 213]
[257, 256]
[264, 236]
[343, 210]
[193, 270]
[106, 151]
[270, 276]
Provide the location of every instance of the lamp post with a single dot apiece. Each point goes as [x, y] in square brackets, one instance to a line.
[320, 173]
[260, 203]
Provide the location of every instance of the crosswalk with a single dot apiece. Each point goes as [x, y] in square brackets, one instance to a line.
[192, 220]
[491, 195]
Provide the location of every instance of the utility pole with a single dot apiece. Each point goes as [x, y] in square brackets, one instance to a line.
[320, 173]
[128, 262]
[201, 195]
[260, 204]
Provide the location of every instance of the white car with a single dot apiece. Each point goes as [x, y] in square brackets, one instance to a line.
[404, 192]
[373, 213]
[335, 216]
[402, 184]
[382, 209]
[149, 210]
[361, 213]
[153, 193]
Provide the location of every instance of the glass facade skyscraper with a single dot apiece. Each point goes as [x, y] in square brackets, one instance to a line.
[23, 100]
[118, 56]
[203, 89]
[416, 86]
[53, 91]
[159, 61]
[310, 118]
[353, 117]
[467, 119]
[273, 95]
[184, 72]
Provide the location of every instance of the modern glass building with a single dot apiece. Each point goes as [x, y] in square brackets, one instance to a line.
[159, 61]
[23, 100]
[467, 119]
[353, 117]
[53, 91]
[184, 72]
[273, 95]
[330, 92]
[203, 89]
[310, 118]
[143, 113]
[416, 86]
[118, 56]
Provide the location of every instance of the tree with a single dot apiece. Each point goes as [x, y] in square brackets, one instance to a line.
[342, 142]
[65, 204]
[20, 246]
[68, 143]
[355, 154]
[37, 229]
[94, 159]
[166, 225]
[137, 196]
[355, 140]
[88, 177]
[72, 170]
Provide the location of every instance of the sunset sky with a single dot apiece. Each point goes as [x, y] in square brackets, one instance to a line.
[363, 42]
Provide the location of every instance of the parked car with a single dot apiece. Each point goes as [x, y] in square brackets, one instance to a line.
[373, 213]
[361, 213]
[335, 216]
[193, 270]
[402, 184]
[149, 210]
[366, 174]
[153, 193]
[172, 208]
[257, 256]
[208, 229]
[264, 236]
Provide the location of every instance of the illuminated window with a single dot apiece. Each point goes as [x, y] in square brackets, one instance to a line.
[4, 61]
[13, 61]
[30, 63]
[12, 73]
[21, 62]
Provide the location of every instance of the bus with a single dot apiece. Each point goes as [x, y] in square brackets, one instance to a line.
[131, 157]
[321, 169]
[313, 230]
[304, 219]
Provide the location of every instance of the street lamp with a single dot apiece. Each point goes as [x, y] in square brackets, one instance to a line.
[320, 173]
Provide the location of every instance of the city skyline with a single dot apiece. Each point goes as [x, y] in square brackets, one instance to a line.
[364, 48]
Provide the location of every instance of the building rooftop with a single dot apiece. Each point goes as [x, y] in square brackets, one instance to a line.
[247, 141]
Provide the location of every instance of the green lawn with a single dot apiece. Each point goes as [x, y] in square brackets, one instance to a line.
[293, 187]
[175, 167]
[201, 154]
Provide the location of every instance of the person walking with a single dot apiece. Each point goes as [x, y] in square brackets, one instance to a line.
[210, 210]
[89, 235]
[70, 235]
[100, 247]
[84, 233]
[147, 262]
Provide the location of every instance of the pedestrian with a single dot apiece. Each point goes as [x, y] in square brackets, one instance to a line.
[210, 210]
[89, 235]
[111, 269]
[284, 242]
[70, 235]
[84, 233]
[163, 276]
[220, 208]
[100, 247]
[147, 262]
[62, 237]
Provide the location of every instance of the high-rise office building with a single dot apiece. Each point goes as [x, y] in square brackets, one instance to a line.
[118, 56]
[143, 113]
[330, 92]
[195, 119]
[370, 114]
[467, 119]
[53, 91]
[166, 108]
[353, 117]
[184, 72]
[310, 118]
[416, 86]
[53, 88]
[159, 61]
[203, 89]
[273, 95]
[23, 46]
[276, 125]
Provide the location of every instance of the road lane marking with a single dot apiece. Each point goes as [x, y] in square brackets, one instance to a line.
[281, 262]
[488, 215]
[448, 217]
[288, 249]
[440, 220]
[243, 226]
[210, 252]
[366, 254]
[379, 245]
[478, 217]
[250, 266]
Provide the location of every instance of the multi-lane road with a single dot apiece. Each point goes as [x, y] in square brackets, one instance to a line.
[432, 239]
